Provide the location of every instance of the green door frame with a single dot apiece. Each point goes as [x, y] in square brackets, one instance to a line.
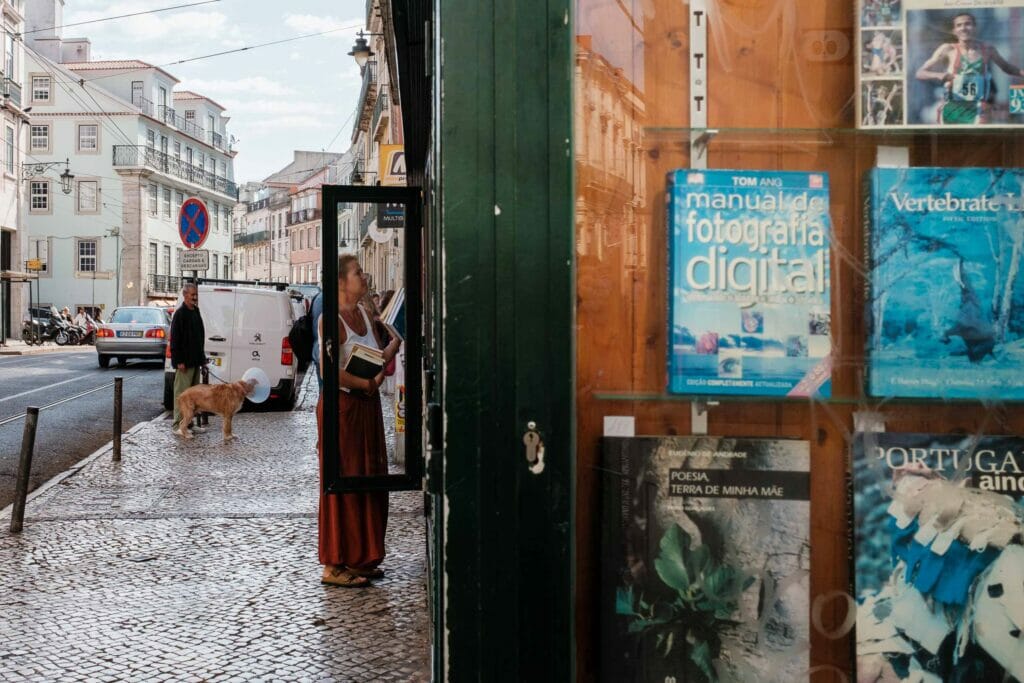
[504, 177]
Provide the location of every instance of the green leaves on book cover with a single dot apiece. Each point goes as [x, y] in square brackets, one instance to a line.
[704, 594]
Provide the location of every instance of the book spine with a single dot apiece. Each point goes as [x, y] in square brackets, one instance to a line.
[670, 279]
[869, 208]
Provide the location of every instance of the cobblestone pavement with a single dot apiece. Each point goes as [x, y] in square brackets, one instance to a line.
[197, 562]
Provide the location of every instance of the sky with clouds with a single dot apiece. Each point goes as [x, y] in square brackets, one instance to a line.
[295, 95]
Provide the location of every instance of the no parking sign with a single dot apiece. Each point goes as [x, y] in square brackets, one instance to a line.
[193, 223]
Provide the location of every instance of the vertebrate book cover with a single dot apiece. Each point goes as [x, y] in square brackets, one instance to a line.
[938, 557]
[945, 287]
[940, 63]
[705, 559]
[749, 304]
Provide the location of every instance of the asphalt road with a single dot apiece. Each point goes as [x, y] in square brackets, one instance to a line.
[71, 430]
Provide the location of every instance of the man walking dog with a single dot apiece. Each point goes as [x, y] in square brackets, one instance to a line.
[188, 354]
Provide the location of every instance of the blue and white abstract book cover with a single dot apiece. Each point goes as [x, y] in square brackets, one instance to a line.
[938, 557]
[749, 309]
[945, 288]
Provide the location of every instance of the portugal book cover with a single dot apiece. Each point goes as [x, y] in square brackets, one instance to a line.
[705, 559]
[749, 309]
[945, 287]
[939, 560]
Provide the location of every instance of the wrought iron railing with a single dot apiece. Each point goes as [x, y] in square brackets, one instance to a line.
[164, 284]
[166, 114]
[367, 95]
[138, 155]
[302, 216]
[379, 109]
[12, 89]
[145, 106]
[252, 238]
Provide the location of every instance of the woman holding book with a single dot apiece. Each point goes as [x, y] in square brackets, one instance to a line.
[352, 525]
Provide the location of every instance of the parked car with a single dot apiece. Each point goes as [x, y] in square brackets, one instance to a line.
[132, 332]
[246, 327]
[308, 292]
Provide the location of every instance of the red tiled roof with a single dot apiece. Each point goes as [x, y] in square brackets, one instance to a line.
[115, 65]
[189, 95]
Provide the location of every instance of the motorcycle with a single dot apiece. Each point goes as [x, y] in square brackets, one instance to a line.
[89, 330]
[41, 330]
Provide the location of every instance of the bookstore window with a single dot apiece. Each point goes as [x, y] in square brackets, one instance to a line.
[803, 249]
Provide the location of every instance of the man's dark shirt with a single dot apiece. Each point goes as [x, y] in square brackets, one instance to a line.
[187, 338]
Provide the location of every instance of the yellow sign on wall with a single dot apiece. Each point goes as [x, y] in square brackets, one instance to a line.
[392, 165]
[34, 264]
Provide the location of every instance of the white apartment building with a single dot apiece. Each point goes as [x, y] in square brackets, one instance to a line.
[137, 150]
[14, 291]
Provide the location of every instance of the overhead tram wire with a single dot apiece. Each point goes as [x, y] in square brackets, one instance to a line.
[228, 52]
[120, 16]
[113, 128]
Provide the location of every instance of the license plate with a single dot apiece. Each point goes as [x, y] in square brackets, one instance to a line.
[129, 333]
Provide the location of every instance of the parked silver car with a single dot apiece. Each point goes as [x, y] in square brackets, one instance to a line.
[133, 332]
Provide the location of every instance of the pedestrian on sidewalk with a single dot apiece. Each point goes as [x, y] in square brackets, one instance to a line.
[316, 308]
[188, 354]
[352, 525]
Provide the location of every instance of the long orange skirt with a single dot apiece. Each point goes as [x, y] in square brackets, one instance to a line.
[352, 525]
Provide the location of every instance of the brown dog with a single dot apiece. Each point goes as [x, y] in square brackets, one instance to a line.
[223, 399]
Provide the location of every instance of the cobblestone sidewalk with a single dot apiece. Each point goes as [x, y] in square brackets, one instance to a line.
[197, 562]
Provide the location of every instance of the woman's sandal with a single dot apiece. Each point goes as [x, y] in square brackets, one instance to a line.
[343, 578]
[375, 573]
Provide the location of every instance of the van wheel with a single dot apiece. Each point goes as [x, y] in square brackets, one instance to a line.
[168, 392]
[104, 361]
[122, 361]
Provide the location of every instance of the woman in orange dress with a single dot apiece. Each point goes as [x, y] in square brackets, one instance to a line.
[352, 525]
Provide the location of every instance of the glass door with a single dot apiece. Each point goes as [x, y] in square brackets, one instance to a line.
[384, 241]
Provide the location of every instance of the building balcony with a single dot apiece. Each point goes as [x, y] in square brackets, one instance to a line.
[367, 99]
[12, 90]
[252, 238]
[379, 121]
[303, 216]
[166, 114]
[138, 156]
[164, 284]
[145, 106]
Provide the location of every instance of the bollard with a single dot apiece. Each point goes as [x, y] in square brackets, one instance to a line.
[117, 418]
[28, 445]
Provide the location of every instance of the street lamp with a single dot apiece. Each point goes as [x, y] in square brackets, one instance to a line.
[31, 170]
[361, 51]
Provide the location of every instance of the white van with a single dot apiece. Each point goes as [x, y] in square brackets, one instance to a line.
[246, 327]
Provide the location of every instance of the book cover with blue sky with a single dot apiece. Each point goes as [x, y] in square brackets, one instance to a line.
[749, 299]
[945, 297]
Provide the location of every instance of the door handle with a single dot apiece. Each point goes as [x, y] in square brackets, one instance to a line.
[217, 338]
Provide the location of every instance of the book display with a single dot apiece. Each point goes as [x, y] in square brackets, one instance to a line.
[705, 559]
[945, 295]
[939, 560]
[927, 63]
[808, 242]
[749, 281]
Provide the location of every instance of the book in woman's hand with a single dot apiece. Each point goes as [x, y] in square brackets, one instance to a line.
[364, 362]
